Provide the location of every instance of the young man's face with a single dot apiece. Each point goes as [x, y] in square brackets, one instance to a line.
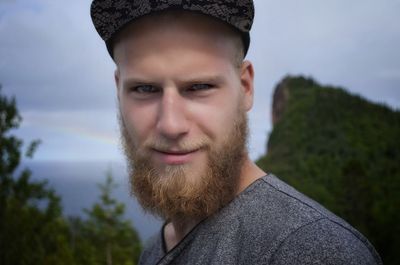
[183, 104]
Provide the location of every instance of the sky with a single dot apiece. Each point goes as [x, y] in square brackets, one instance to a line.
[57, 67]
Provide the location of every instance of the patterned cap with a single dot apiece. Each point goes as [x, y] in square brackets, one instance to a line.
[109, 16]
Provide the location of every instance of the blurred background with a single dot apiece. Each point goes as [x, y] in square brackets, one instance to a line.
[57, 68]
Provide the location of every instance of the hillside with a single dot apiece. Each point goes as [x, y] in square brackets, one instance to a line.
[342, 151]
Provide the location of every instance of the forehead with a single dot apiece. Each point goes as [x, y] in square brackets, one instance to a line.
[179, 30]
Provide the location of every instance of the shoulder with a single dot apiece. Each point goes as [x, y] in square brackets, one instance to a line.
[325, 242]
[291, 228]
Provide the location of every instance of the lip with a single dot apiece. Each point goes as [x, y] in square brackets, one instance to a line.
[174, 157]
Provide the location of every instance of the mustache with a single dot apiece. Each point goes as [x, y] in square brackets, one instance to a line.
[166, 145]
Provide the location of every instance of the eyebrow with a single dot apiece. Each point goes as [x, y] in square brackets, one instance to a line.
[214, 79]
[129, 82]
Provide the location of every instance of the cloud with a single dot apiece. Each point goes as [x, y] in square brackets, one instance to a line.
[389, 74]
[337, 42]
[73, 135]
[52, 59]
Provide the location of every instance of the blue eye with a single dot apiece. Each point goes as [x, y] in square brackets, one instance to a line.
[143, 89]
[197, 87]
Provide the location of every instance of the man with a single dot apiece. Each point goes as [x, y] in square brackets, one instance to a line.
[184, 89]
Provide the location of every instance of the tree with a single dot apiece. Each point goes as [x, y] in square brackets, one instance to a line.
[344, 152]
[108, 238]
[32, 230]
[32, 227]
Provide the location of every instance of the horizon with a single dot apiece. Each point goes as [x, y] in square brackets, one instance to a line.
[58, 68]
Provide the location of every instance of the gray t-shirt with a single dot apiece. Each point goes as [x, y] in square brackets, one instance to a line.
[268, 223]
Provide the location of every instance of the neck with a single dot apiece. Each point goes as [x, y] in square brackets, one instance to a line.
[250, 172]
[176, 230]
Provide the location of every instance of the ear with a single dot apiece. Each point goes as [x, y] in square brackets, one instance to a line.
[247, 84]
[117, 84]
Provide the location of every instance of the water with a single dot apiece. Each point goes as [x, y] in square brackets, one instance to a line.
[76, 183]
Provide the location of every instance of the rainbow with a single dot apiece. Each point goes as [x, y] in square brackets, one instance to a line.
[102, 137]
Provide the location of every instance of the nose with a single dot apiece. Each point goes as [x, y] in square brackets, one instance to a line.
[172, 120]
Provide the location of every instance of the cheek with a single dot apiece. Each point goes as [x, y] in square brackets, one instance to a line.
[216, 122]
[138, 121]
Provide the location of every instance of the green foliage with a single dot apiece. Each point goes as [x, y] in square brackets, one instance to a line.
[32, 230]
[344, 152]
[106, 237]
